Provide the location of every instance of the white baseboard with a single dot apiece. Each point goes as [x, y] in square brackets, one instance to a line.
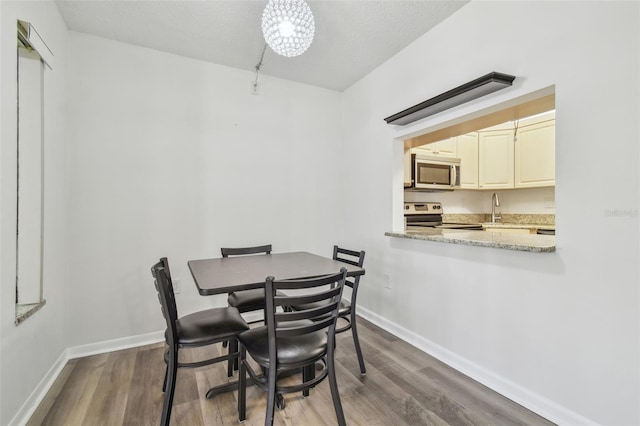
[114, 345]
[29, 407]
[530, 400]
[31, 404]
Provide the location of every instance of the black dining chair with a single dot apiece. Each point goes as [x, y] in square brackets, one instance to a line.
[245, 300]
[347, 308]
[194, 330]
[293, 341]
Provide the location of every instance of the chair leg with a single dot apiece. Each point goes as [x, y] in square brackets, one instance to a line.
[356, 343]
[308, 373]
[242, 386]
[170, 386]
[333, 384]
[234, 344]
[166, 374]
[232, 363]
[271, 397]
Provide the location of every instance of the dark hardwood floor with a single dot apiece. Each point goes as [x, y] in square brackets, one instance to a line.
[403, 386]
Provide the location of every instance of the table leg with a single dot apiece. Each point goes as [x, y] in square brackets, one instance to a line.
[231, 386]
[227, 387]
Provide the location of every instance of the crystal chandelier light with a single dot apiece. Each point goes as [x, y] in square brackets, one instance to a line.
[288, 26]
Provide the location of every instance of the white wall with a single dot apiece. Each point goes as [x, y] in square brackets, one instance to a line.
[29, 350]
[558, 332]
[174, 157]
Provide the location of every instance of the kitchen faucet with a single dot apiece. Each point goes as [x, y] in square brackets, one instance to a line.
[495, 202]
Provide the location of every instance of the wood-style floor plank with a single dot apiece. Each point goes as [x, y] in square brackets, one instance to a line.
[53, 394]
[403, 386]
[146, 381]
[112, 392]
[73, 400]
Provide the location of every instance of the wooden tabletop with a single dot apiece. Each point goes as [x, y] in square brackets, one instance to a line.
[226, 275]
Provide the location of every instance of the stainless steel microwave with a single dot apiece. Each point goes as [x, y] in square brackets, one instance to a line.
[435, 173]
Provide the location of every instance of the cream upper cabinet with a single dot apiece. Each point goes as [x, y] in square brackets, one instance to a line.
[495, 155]
[467, 147]
[490, 159]
[445, 148]
[535, 155]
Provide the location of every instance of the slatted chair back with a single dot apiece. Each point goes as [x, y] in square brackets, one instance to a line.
[329, 298]
[166, 296]
[351, 257]
[228, 251]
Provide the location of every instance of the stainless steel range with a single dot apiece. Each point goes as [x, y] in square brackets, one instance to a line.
[430, 215]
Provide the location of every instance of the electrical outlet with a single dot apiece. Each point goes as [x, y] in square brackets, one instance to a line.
[177, 285]
[255, 88]
[387, 281]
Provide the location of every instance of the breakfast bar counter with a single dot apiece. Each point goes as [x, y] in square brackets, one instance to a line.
[510, 241]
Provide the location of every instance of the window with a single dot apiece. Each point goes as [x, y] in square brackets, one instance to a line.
[31, 51]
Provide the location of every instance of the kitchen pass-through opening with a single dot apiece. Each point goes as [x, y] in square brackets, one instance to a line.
[508, 151]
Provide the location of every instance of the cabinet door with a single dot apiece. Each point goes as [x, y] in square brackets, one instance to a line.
[445, 148]
[535, 152]
[495, 152]
[424, 150]
[467, 147]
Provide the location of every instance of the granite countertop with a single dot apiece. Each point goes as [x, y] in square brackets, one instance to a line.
[517, 225]
[510, 241]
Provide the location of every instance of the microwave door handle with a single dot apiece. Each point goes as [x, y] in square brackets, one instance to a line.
[454, 176]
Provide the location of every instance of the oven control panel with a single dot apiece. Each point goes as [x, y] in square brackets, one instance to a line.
[422, 208]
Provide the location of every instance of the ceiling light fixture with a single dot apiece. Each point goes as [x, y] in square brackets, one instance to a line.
[288, 26]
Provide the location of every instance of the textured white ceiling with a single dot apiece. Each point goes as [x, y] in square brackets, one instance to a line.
[352, 37]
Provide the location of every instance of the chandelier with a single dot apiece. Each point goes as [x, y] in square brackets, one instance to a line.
[288, 26]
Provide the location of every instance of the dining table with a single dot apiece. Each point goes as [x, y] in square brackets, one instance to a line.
[228, 274]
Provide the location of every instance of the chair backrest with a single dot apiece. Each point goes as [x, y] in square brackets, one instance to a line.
[351, 257]
[166, 296]
[330, 303]
[228, 251]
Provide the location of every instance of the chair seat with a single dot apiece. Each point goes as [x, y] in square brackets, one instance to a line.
[291, 350]
[211, 325]
[345, 308]
[247, 298]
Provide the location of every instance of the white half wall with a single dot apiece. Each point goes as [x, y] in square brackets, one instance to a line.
[28, 351]
[174, 157]
[563, 326]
